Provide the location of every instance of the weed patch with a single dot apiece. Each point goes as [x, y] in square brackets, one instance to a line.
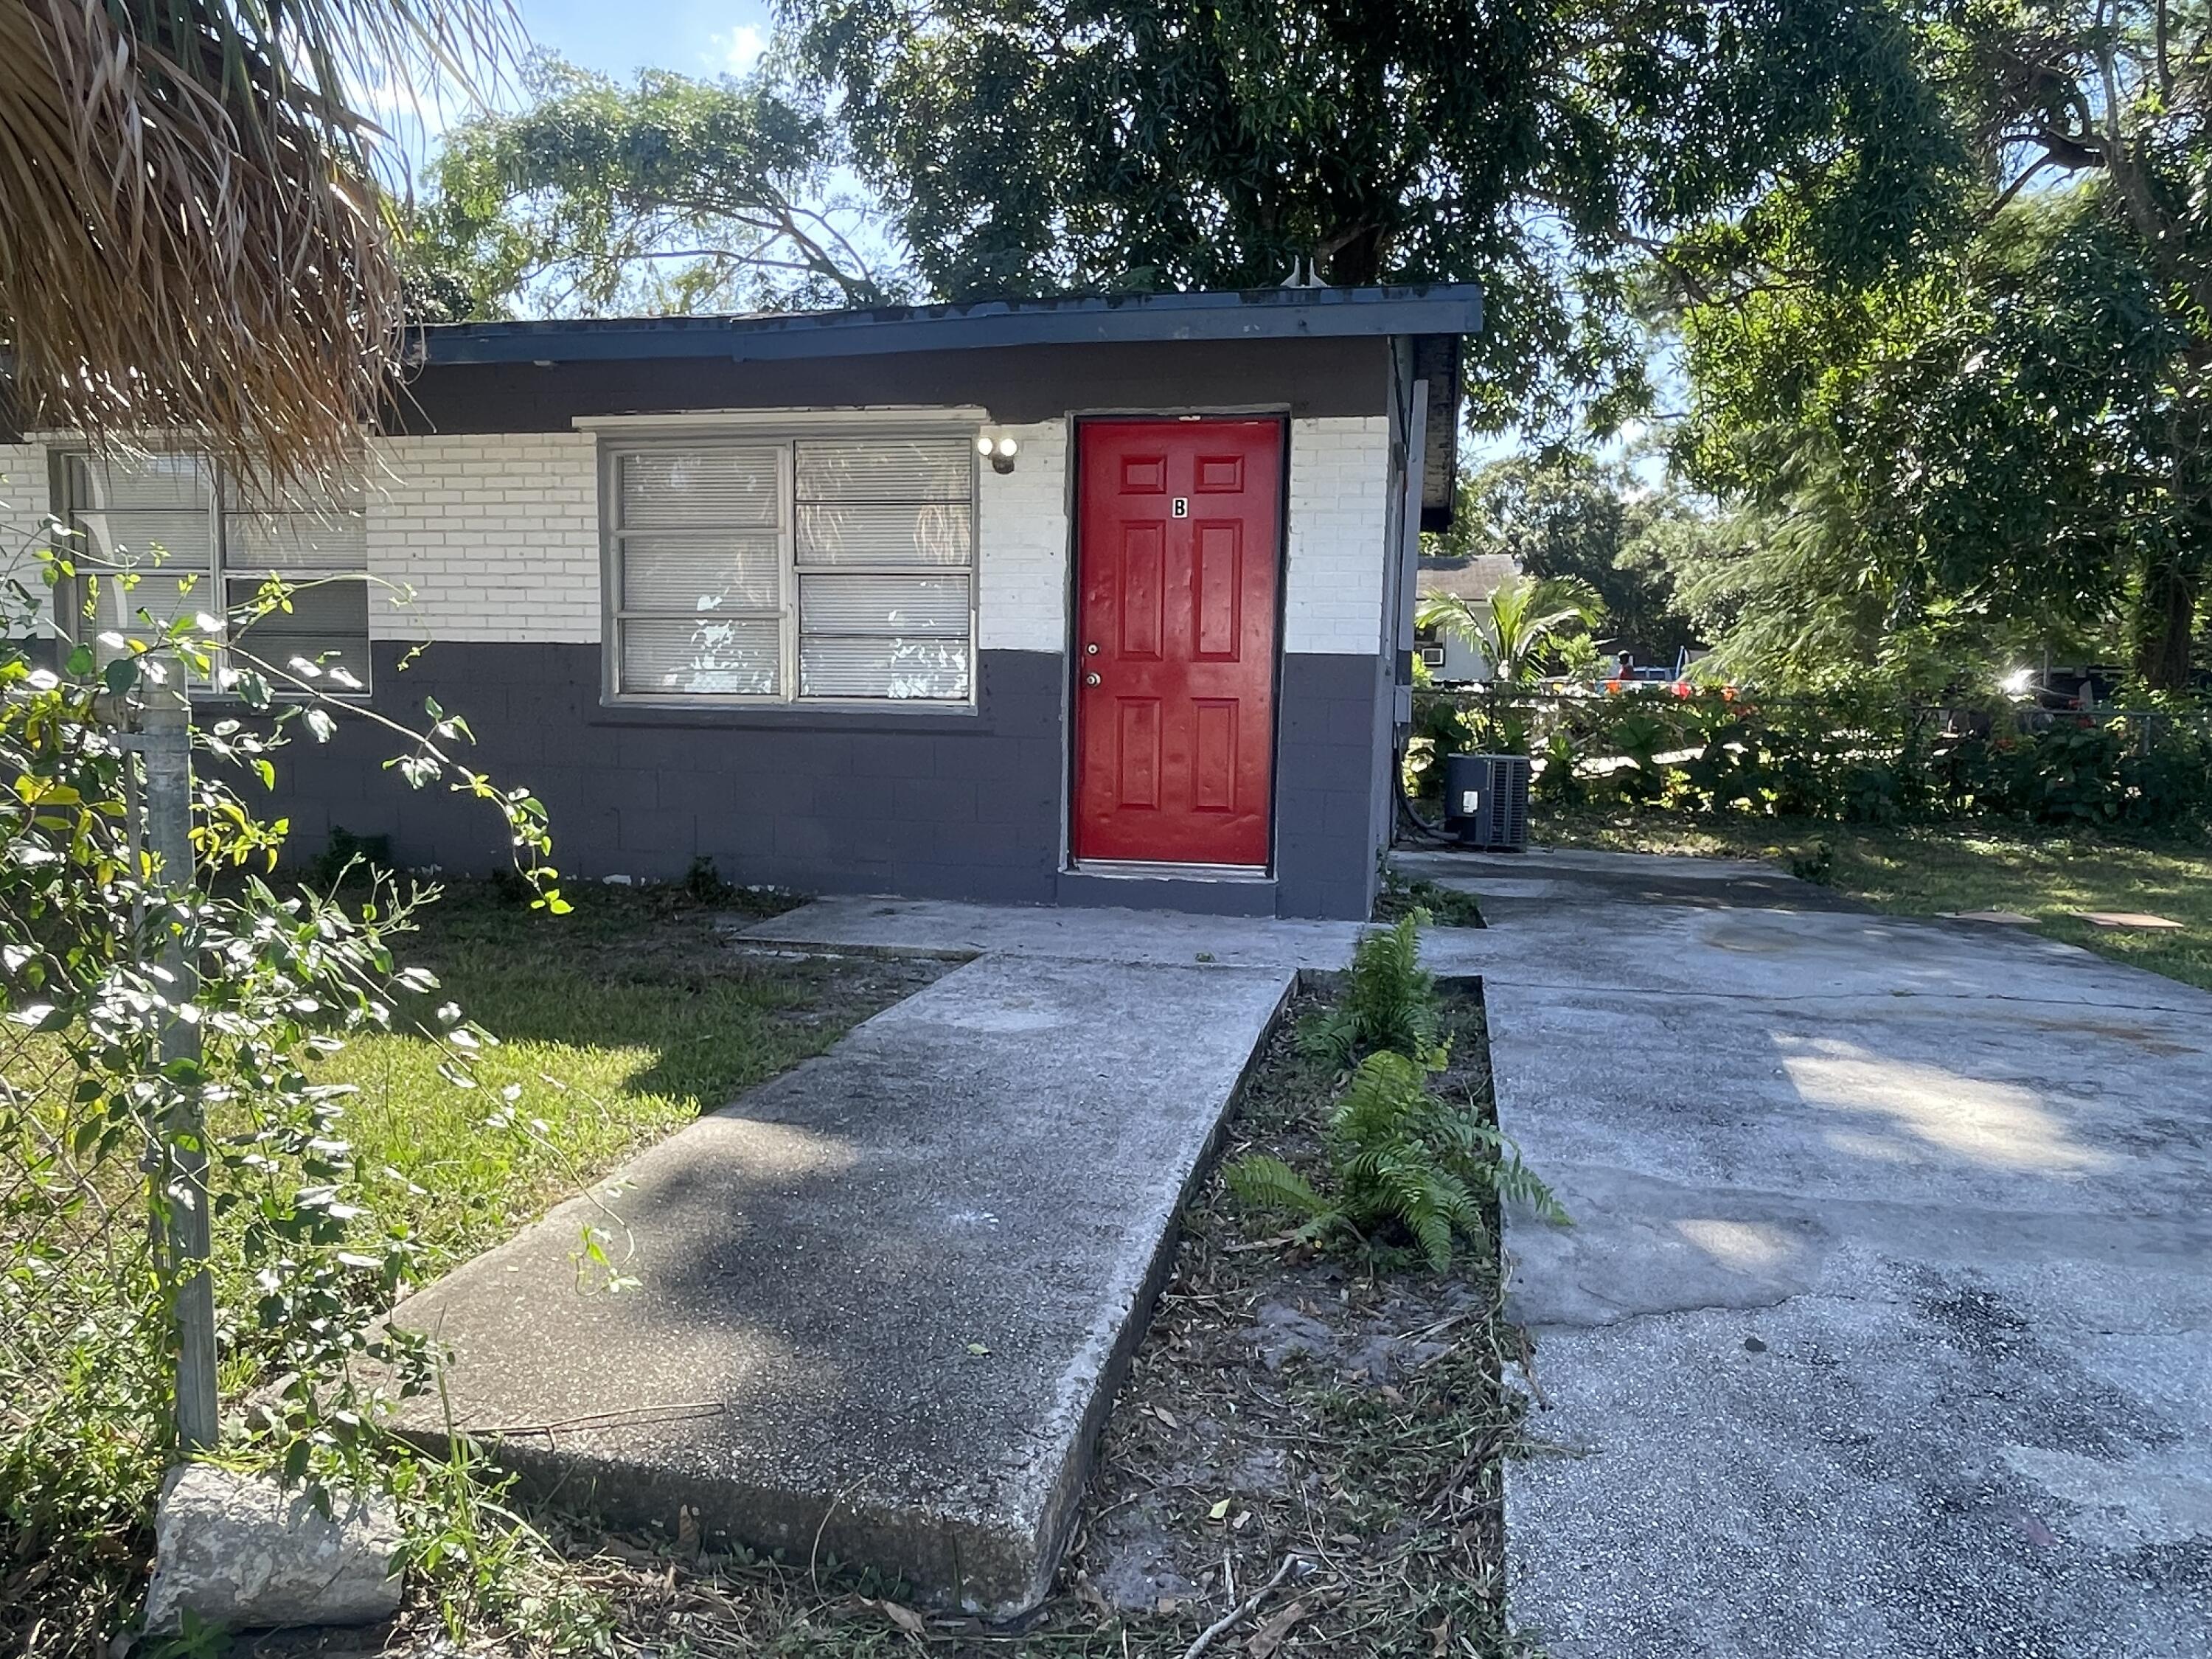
[621, 1020]
[1402, 895]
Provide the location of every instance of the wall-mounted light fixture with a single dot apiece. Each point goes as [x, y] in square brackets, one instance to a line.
[999, 450]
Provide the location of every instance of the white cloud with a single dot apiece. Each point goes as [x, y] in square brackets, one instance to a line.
[741, 47]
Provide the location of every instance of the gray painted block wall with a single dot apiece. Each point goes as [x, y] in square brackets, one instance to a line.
[930, 805]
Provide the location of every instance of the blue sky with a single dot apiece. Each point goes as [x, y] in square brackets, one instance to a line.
[616, 37]
[697, 37]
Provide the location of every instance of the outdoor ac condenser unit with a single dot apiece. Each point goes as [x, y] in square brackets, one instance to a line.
[1486, 800]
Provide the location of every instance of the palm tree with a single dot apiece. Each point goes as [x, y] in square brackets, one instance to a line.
[1520, 625]
[193, 226]
[1517, 629]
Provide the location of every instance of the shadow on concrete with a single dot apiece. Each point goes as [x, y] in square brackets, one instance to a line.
[882, 1300]
[1884, 1327]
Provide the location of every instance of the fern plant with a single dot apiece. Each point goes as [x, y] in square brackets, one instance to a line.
[1390, 1003]
[1408, 1169]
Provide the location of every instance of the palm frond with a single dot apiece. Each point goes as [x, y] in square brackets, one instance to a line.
[1520, 623]
[193, 239]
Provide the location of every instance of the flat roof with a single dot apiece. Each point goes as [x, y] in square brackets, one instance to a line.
[1269, 313]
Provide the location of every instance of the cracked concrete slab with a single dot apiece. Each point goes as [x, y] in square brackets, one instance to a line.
[1885, 1328]
[881, 1300]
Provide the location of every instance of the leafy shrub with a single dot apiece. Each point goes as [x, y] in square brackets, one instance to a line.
[123, 1110]
[1556, 782]
[1390, 1003]
[1864, 756]
[350, 857]
[1817, 866]
[1402, 896]
[704, 882]
[1408, 1170]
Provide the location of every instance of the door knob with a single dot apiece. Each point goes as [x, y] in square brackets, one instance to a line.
[1091, 679]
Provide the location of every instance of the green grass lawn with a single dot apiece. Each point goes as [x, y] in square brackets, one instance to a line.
[617, 1023]
[1964, 867]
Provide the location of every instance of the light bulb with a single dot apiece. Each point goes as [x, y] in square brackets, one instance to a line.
[1007, 446]
[982, 443]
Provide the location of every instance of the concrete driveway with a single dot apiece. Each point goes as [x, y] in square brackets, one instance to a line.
[1886, 1325]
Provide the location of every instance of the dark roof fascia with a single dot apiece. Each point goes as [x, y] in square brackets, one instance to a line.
[1260, 314]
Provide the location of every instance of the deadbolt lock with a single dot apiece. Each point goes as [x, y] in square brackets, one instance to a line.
[1091, 649]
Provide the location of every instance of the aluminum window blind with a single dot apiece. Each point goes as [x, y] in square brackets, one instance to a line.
[846, 469]
[873, 507]
[717, 657]
[701, 488]
[934, 669]
[136, 482]
[823, 567]
[729, 572]
[701, 546]
[882, 533]
[154, 542]
[885, 605]
[199, 539]
[295, 540]
[150, 514]
[326, 629]
[149, 606]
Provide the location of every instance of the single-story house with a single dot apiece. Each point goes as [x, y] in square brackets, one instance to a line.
[1451, 658]
[1086, 601]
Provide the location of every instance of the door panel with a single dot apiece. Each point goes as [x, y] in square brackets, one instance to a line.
[1177, 549]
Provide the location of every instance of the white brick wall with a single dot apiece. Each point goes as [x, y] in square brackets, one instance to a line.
[498, 535]
[1333, 600]
[1021, 544]
[23, 506]
[1340, 484]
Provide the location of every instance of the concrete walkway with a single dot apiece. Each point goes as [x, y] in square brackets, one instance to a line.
[883, 1299]
[935, 927]
[1886, 1327]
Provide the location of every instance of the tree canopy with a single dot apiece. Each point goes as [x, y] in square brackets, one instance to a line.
[1042, 146]
[1998, 433]
[670, 194]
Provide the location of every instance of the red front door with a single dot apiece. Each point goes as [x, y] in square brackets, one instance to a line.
[1177, 533]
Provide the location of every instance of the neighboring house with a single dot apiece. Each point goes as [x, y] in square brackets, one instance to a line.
[1452, 660]
[1082, 601]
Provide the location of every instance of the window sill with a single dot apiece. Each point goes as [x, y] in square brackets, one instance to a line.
[938, 718]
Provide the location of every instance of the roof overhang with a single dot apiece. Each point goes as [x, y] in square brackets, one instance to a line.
[1275, 313]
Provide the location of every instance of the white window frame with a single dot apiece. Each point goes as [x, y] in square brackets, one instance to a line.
[78, 629]
[619, 440]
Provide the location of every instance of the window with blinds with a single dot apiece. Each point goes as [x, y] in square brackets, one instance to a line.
[165, 536]
[826, 569]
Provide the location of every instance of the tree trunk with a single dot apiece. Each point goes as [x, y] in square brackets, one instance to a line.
[2165, 624]
[1357, 261]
